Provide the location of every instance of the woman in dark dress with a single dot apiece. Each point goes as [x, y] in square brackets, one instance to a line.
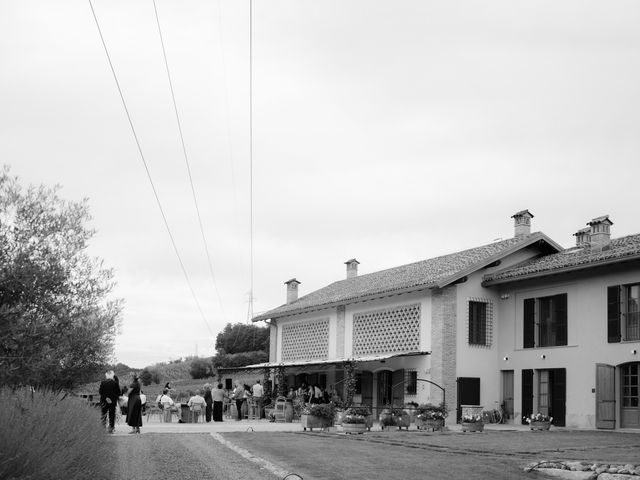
[134, 406]
[208, 400]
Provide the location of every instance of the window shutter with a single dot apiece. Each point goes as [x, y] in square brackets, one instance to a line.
[529, 323]
[613, 314]
[561, 319]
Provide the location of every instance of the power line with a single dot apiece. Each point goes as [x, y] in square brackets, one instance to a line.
[186, 159]
[251, 154]
[144, 162]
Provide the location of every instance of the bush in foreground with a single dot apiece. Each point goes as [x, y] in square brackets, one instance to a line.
[48, 435]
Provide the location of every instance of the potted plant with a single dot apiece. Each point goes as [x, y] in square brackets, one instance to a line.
[394, 417]
[364, 411]
[539, 421]
[431, 416]
[412, 408]
[472, 423]
[353, 421]
[338, 406]
[319, 415]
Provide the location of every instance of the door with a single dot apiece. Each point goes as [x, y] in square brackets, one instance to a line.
[385, 382]
[527, 394]
[507, 394]
[468, 393]
[630, 408]
[366, 388]
[605, 396]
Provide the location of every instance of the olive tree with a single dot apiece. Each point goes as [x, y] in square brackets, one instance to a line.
[57, 324]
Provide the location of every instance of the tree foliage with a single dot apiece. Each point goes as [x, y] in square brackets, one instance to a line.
[57, 325]
[240, 337]
[201, 368]
[240, 344]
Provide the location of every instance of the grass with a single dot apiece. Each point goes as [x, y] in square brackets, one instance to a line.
[49, 435]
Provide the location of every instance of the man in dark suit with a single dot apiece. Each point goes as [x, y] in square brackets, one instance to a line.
[109, 393]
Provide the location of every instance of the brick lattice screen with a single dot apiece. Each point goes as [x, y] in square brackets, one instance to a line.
[306, 341]
[393, 330]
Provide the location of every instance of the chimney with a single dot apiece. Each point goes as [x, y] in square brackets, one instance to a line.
[352, 268]
[600, 235]
[582, 237]
[292, 290]
[522, 223]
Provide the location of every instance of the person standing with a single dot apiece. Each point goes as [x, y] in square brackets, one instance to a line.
[167, 404]
[134, 405]
[257, 392]
[109, 393]
[218, 400]
[208, 400]
[238, 396]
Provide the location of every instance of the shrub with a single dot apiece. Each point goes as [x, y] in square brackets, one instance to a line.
[48, 435]
[322, 410]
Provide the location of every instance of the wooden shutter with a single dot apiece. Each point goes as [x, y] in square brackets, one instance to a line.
[613, 314]
[367, 388]
[527, 393]
[560, 314]
[397, 382]
[529, 323]
[605, 396]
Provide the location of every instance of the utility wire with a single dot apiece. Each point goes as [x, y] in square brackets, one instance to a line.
[251, 155]
[144, 162]
[186, 159]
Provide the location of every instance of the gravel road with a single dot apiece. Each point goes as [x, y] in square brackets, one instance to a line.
[182, 457]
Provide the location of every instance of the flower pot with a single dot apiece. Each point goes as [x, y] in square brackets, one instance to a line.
[354, 428]
[402, 421]
[472, 426]
[432, 424]
[311, 422]
[540, 425]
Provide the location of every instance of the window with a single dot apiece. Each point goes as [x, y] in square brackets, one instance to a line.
[545, 321]
[623, 313]
[630, 385]
[411, 382]
[478, 323]
[358, 383]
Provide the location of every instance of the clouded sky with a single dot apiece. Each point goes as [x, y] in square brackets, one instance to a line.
[388, 131]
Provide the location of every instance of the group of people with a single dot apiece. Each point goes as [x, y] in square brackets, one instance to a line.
[209, 399]
[313, 394]
[243, 392]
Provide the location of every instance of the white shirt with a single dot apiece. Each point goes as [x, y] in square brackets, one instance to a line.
[257, 390]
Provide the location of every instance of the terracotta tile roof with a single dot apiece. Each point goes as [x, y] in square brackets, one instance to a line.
[620, 249]
[434, 272]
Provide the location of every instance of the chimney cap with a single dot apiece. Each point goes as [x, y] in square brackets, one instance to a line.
[353, 260]
[582, 231]
[602, 219]
[293, 280]
[522, 213]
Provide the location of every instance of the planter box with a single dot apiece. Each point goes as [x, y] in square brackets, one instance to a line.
[311, 422]
[430, 424]
[540, 425]
[472, 427]
[389, 428]
[337, 419]
[402, 421]
[351, 428]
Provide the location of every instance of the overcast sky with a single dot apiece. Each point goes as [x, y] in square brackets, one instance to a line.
[388, 131]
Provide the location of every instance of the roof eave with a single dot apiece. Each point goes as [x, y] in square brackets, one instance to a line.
[558, 271]
[536, 237]
[358, 299]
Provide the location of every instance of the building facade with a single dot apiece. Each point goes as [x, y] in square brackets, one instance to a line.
[520, 322]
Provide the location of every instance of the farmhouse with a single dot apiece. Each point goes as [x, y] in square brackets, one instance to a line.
[522, 323]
